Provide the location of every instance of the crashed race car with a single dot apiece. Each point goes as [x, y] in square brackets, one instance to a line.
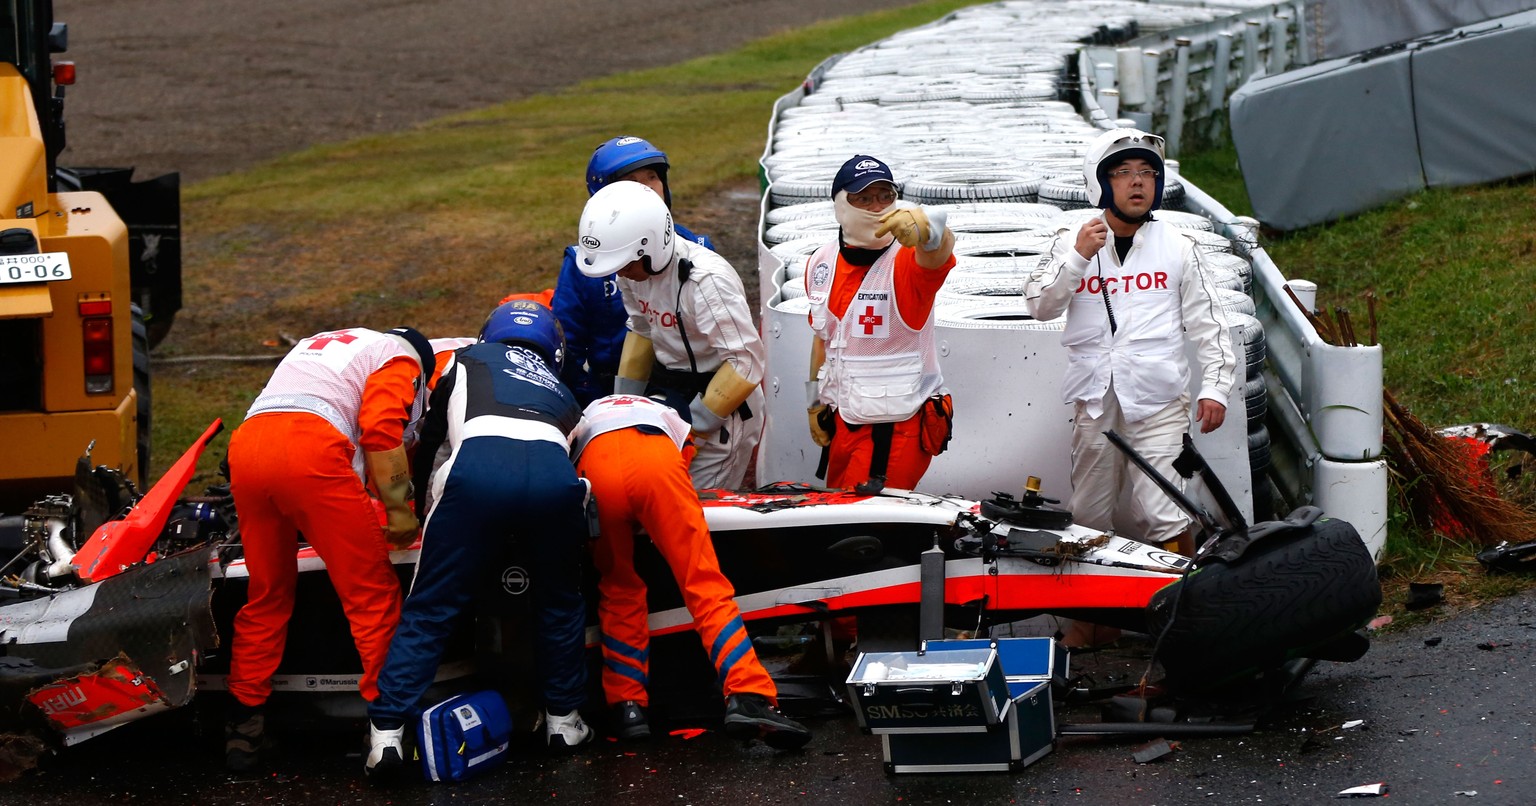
[128, 622]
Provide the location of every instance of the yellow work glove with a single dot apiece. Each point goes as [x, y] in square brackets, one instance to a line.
[725, 394]
[635, 361]
[819, 435]
[391, 475]
[913, 227]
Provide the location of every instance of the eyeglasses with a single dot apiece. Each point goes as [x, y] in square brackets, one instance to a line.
[872, 199]
[1122, 174]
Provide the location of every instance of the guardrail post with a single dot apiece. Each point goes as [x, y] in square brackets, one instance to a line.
[1279, 43]
[1149, 59]
[1109, 101]
[1133, 89]
[1103, 75]
[1304, 55]
[1221, 45]
[1250, 49]
[1178, 89]
[1219, 70]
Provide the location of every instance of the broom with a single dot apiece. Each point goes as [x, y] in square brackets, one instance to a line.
[1447, 486]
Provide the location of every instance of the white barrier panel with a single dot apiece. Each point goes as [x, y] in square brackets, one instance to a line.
[1355, 492]
[1343, 387]
[1004, 371]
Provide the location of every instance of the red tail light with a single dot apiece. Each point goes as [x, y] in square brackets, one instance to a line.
[98, 354]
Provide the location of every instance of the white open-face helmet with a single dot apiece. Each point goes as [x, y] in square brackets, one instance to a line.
[624, 222]
[1110, 149]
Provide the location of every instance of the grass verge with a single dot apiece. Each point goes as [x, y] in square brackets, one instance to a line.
[1449, 269]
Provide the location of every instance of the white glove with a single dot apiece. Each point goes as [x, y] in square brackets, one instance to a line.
[628, 386]
[705, 422]
[937, 219]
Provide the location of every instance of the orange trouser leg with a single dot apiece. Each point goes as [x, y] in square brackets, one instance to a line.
[311, 489]
[659, 494]
[853, 448]
[621, 607]
[270, 542]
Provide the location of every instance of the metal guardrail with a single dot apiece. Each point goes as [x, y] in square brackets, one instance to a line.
[1177, 81]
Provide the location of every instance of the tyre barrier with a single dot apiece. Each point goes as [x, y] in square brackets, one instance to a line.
[981, 316]
[1297, 592]
[1251, 333]
[1235, 301]
[1256, 399]
[1232, 263]
[1224, 279]
[800, 228]
[974, 186]
[997, 290]
[1010, 245]
[795, 212]
[978, 100]
[1210, 243]
[1066, 192]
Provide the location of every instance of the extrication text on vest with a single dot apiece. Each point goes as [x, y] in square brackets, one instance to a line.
[1145, 281]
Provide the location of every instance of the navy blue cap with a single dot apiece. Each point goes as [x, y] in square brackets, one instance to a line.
[859, 172]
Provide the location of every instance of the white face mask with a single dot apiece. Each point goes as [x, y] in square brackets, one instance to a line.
[859, 225]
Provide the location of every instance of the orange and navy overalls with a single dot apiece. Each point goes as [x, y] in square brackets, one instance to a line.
[631, 449]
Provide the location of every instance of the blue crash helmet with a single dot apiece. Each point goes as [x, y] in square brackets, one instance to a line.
[528, 324]
[621, 155]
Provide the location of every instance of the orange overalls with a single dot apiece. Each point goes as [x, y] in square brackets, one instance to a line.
[292, 472]
[641, 478]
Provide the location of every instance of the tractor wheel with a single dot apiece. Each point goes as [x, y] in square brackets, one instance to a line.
[141, 387]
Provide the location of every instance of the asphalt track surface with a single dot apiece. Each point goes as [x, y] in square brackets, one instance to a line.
[1445, 712]
[208, 87]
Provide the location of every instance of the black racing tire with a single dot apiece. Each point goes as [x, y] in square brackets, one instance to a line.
[1291, 593]
[144, 392]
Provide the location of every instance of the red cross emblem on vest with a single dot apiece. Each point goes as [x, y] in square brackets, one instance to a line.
[870, 320]
[319, 342]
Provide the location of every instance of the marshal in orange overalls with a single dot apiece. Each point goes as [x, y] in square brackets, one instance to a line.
[640, 478]
[294, 471]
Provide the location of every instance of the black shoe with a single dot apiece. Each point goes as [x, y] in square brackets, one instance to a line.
[629, 721]
[244, 737]
[751, 716]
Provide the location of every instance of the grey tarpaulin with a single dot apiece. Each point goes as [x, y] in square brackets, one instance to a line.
[1344, 136]
[1346, 27]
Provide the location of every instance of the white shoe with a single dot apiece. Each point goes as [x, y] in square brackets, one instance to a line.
[566, 731]
[386, 750]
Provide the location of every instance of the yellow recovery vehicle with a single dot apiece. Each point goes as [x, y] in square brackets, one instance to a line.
[89, 273]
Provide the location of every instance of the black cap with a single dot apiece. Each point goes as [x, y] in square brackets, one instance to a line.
[419, 343]
[859, 172]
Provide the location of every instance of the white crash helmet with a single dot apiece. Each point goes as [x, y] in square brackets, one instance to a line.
[624, 222]
[1115, 146]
